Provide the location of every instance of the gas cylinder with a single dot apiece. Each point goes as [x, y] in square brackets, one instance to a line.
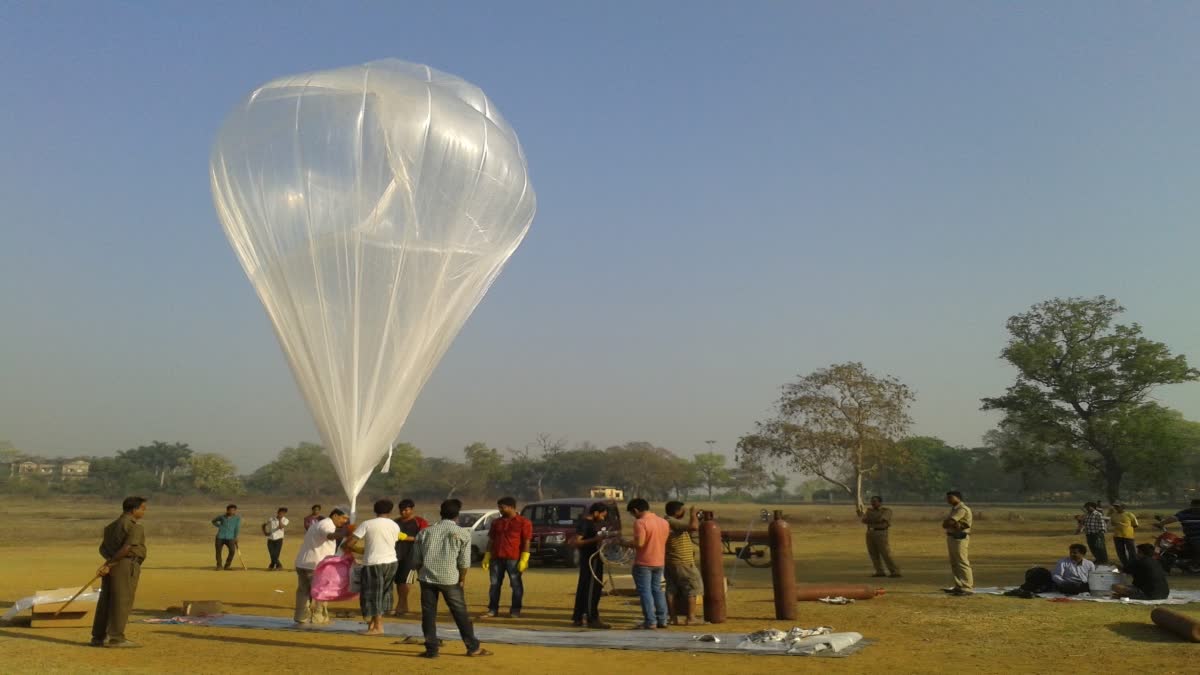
[783, 567]
[712, 570]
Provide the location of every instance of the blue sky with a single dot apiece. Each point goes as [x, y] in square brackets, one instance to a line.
[730, 194]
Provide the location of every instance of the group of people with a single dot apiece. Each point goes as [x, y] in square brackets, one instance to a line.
[1070, 574]
[399, 553]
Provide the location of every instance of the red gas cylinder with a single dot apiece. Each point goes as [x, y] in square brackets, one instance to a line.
[783, 567]
[712, 570]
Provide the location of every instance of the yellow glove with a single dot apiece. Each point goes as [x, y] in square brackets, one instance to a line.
[487, 561]
[523, 563]
[402, 537]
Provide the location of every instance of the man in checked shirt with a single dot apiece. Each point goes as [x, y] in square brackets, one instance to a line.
[1093, 526]
[443, 554]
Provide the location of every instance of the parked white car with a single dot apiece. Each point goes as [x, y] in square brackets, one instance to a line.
[479, 522]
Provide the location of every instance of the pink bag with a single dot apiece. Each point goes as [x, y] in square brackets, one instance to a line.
[331, 579]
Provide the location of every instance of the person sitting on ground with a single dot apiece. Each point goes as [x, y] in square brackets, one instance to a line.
[1149, 580]
[1070, 575]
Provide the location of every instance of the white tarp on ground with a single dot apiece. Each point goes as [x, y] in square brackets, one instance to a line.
[1176, 597]
[47, 597]
[832, 644]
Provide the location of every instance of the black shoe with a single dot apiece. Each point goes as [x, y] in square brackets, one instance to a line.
[578, 623]
[96, 642]
[429, 655]
[959, 592]
[598, 625]
[895, 575]
[879, 574]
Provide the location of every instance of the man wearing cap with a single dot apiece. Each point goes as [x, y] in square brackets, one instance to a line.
[958, 529]
[878, 519]
[123, 549]
[1123, 524]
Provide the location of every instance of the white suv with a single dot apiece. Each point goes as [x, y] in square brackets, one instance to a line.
[478, 521]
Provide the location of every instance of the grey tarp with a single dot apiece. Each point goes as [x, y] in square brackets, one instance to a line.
[729, 643]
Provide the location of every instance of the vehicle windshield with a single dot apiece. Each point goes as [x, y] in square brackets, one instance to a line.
[553, 514]
[468, 520]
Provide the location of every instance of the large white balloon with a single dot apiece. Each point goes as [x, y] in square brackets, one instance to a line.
[371, 207]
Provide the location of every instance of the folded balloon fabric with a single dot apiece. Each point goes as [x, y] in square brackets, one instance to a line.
[331, 579]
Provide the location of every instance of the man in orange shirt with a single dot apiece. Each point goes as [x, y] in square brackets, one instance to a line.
[650, 534]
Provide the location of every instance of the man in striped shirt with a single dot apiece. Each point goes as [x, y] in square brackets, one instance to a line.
[443, 554]
[1094, 528]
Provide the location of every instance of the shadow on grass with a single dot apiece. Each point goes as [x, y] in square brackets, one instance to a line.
[1142, 632]
[43, 638]
[258, 642]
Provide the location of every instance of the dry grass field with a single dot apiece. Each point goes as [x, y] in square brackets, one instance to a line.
[912, 629]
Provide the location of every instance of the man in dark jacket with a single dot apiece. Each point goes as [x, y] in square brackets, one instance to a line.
[1149, 580]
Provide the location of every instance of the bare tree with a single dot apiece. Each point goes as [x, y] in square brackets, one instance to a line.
[535, 462]
[837, 423]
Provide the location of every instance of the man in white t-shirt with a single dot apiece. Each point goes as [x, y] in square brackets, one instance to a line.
[320, 542]
[274, 528]
[378, 536]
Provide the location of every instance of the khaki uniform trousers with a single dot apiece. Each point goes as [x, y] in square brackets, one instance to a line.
[117, 589]
[960, 563]
[880, 551]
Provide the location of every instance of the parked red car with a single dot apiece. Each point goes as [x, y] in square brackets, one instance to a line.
[554, 523]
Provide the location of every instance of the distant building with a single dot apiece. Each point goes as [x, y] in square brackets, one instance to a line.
[75, 469]
[605, 492]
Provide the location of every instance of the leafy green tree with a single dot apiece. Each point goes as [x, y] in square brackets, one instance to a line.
[487, 466]
[1082, 381]
[401, 475]
[302, 470]
[214, 474]
[118, 477]
[642, 470]
[710, 471]
[838, 423]
[163, 459]
[779, 483]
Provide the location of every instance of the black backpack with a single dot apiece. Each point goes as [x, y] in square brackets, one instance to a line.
[1038, 580]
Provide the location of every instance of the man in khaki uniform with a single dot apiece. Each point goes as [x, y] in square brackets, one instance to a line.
[123, 549]
[878, 520]
[958, 526]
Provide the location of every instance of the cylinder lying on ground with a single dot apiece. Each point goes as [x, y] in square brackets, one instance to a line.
[852, 591]
[711, 571]
[1182, 625]
[783, 568]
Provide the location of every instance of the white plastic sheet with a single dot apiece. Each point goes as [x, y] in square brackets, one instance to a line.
[371, 207]
[49, 597]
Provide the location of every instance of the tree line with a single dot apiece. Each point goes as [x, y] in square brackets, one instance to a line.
[1078, 420]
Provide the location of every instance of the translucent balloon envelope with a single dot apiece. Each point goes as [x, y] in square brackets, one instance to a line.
[371, 207]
